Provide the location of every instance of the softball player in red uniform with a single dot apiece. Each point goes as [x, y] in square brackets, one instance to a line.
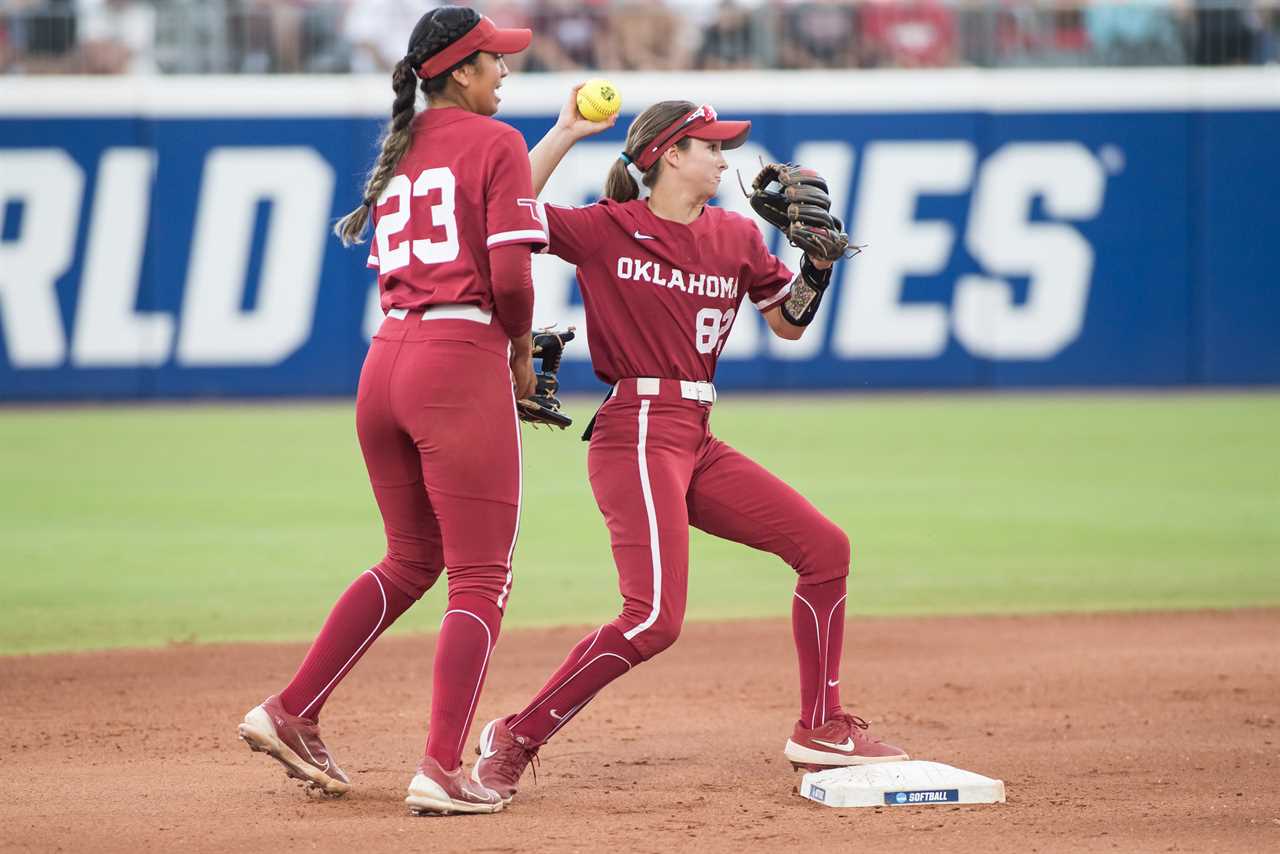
[662, 280]
[452, 206]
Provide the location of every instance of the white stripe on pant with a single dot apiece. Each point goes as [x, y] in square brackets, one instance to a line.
[655, 551]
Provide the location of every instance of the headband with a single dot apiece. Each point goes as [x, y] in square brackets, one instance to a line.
[701, 123]
[485, 35]
[672, 134]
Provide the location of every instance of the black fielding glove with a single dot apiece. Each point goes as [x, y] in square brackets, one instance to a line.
[544, 407]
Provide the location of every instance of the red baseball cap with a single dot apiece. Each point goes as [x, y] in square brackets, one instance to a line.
[487, 36]
[702, 123]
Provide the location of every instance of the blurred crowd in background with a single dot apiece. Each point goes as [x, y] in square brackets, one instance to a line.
[340, 36]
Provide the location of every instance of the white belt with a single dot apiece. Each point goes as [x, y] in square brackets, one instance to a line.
[446, 311]
[699, 390]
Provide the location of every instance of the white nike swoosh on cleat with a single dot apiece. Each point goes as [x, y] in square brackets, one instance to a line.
[831, 683]
[315, 762]
[486, 742]
[847, 745]
[557, 717]
[638, 236]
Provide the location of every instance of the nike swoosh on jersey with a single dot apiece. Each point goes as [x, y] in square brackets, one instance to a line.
[638, 236]
[831, 683]
[845, 747]
[557, 717]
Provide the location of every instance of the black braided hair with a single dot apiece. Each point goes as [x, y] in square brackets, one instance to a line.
[434, 31]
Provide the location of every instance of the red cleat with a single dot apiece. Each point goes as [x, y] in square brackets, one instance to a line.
[843, 740]
[435, 791]
[503, 758]
[295, 743]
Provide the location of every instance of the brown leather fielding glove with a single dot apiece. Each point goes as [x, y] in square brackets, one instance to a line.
[794, 200]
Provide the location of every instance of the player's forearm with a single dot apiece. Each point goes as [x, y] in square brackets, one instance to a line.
[547, 154]
[522, 347]
[781, 327]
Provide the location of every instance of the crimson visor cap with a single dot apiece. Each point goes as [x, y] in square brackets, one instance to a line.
[702, 123]
[486, 35]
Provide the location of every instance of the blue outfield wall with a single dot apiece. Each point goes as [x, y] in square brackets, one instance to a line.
[154, 247]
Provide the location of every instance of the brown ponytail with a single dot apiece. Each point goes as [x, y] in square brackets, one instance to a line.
[620, 185]
[435, 31]
[395, 142]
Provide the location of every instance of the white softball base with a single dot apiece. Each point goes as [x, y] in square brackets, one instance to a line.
[891, 784]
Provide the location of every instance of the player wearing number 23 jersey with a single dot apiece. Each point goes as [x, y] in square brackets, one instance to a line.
[451, 201]
[663, 278]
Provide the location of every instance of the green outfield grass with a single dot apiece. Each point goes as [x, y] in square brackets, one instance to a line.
[154, 525]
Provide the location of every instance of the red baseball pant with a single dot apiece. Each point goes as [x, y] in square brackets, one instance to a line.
[655, 469]
[436, 419]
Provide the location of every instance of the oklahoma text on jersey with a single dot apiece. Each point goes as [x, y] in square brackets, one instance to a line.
[704, 284]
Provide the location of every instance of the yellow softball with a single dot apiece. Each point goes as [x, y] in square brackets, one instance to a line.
[598, 99]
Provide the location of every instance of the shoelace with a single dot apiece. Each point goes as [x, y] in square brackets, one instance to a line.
[857, 723]
[512, 762]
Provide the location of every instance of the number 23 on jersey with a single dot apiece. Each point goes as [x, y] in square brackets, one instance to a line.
[393, 257]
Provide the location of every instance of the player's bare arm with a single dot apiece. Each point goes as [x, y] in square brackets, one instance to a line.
[568, 129]
[522, 367]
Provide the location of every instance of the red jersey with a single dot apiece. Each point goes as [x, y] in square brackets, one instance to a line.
[661, 296]
[462, 188]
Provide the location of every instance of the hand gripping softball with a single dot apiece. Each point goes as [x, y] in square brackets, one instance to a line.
[544, 407]
[794, 200]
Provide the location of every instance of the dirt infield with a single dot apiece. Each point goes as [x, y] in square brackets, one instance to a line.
[1113, 733]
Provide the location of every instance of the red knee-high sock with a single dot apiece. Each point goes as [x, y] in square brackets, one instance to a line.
[362, 613]
[597, 660]
[817, 622]
[467, 635]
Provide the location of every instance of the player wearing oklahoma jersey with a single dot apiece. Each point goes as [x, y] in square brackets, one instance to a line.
[452, 205]
[662, 280]
[661, 296]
